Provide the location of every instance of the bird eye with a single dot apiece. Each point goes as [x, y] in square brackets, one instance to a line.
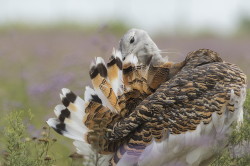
[132, 40]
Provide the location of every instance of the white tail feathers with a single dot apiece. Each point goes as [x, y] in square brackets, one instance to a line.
[58, 109]
[68, 128]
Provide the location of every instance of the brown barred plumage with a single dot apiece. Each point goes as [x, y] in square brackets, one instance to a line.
[202, 87]
[145, 110]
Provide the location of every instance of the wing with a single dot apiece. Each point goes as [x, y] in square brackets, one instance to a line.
[204, 86]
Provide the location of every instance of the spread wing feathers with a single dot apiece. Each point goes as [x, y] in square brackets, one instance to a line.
[118, 88]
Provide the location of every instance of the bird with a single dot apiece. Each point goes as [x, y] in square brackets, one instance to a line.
[145, 110]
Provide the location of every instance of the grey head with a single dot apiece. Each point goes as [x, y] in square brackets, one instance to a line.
[139, 43]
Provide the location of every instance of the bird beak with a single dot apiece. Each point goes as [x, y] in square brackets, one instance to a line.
[123, 54]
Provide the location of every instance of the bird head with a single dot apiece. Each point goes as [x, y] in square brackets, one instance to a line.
[138, 42]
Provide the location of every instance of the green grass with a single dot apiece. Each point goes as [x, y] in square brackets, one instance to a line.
[22, 149]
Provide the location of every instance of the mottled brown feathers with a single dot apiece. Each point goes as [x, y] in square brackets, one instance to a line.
[133, 104]
[202, 86]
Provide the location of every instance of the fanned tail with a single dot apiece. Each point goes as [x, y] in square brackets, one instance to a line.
[118, 87]
[86, 120]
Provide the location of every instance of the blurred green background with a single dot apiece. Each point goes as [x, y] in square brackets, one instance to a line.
[46, 46]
